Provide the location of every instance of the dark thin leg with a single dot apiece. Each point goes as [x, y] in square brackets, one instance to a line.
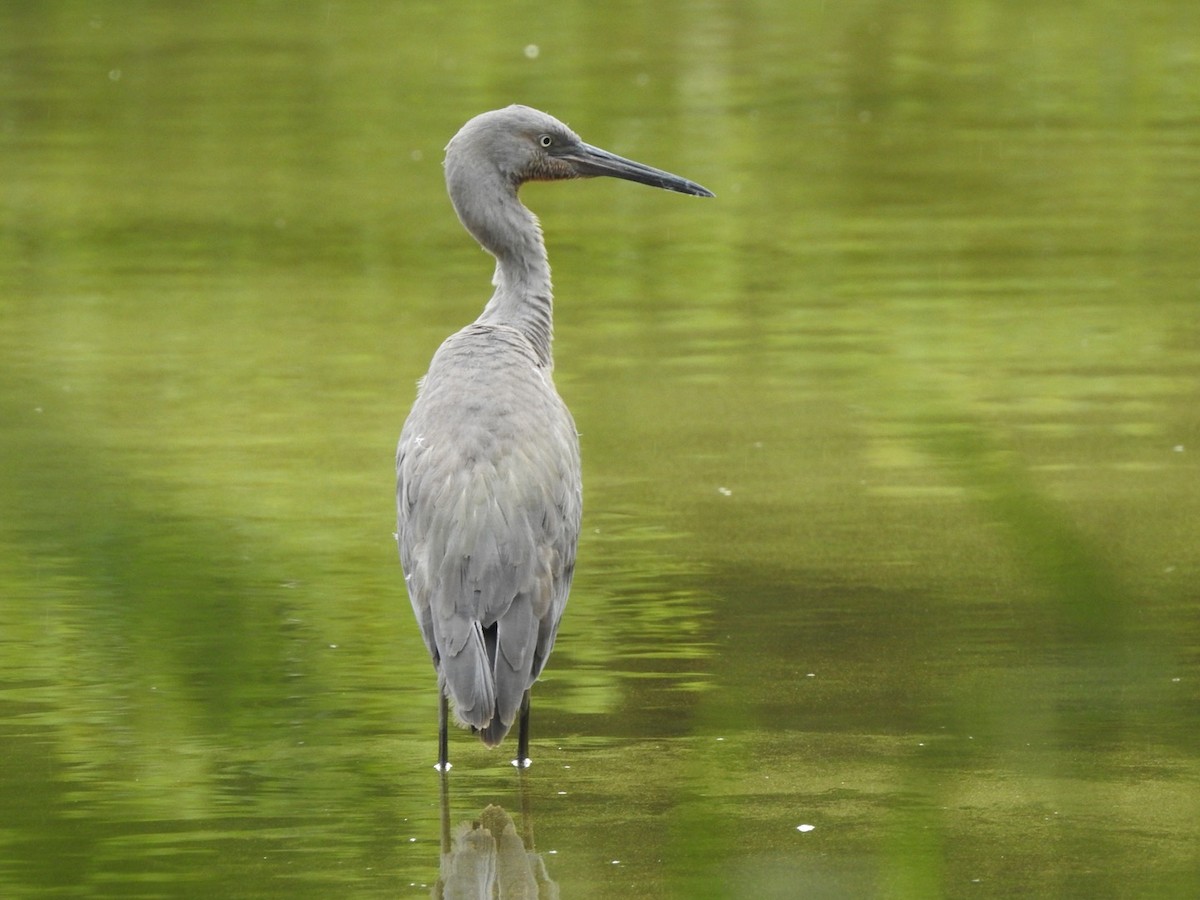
[522, 761]
[443, 763]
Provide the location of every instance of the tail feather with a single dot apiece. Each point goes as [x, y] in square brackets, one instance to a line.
[512, 662]
[487, 678]
[494, 733]
[468, 681]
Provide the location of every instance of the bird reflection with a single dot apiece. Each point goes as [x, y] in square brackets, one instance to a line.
[484, 857]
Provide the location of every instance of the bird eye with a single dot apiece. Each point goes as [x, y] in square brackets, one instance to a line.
[546, 140]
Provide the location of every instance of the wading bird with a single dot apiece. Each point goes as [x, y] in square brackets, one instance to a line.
[488, 489]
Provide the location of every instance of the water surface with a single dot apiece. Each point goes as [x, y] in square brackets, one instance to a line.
[887, 581]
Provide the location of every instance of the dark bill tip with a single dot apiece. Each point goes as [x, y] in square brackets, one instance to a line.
[591, 162]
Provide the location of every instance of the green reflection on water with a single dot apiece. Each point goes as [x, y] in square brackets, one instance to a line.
[890, 523]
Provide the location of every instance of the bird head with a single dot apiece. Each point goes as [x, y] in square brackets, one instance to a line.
[522, 144]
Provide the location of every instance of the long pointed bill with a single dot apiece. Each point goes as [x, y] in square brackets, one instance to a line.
[589, 161]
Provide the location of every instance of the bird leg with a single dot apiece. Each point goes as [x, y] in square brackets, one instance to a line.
[523, 761]
[443, 763]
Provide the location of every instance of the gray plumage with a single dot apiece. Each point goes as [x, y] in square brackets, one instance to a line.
[489, 491]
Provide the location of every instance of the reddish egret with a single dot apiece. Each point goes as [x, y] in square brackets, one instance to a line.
[488, 482]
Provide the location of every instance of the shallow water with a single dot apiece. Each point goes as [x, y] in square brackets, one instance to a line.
[887, 585]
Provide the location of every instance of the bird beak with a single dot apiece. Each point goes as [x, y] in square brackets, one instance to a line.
[589, 162]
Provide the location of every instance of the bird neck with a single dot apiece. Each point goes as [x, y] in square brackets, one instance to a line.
[523, 298]
[510, 232]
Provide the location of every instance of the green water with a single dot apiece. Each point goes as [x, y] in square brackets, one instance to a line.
[892, 505]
